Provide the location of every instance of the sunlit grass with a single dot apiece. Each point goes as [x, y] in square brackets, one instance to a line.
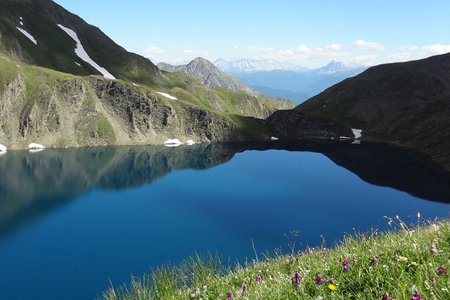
[403, 263]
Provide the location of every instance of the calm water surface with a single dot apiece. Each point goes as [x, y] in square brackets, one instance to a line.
[72, 221]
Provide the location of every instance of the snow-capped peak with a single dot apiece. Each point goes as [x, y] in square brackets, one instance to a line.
[333, 67]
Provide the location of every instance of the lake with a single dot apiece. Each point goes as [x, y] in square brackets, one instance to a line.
[73, 221]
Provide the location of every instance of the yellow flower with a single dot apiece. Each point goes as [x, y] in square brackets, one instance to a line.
[332, 287]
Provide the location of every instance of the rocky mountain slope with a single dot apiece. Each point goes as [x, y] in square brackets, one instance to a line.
[406, 104]
[64, 83]
[62, 110]
[22, 21]
[209, 74]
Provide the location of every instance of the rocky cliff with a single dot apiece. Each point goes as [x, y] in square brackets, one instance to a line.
[61, 110]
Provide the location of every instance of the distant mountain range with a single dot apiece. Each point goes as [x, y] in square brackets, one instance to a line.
[298, 86]
[255, 65]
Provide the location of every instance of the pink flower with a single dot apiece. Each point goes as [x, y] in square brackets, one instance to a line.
[386, 296]
[319, 280]
[230, 295]
[258, 278]
[345, 266]
[296, 279]
[441, 270]
[434, 281]
[433, 249]
[416, 296]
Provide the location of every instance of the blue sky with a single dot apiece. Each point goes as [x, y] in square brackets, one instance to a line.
[309, 33]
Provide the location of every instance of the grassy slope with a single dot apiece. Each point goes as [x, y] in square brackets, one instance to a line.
[403, 262]
[190, 92]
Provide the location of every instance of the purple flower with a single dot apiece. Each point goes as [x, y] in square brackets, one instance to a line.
[258, 278]
[244, 288]
[441, 270]
[230, 295]
[433, 249]
[296, 279]
[319, 280]
[386, 296]
[345, 266]
[416, 296]
[374, 262]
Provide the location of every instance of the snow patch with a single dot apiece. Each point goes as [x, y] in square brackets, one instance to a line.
[21, 23]
[357, 133]
[2, 148]
[345, 138]
[167, 96]
[77, 64]
[79, 50]
[27, 34]
[34, 146]
[172, 143]
[273, 138]
[136, 85]
[190, 142]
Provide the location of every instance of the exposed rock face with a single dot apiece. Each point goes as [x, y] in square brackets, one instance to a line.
[96, 111]
[209, 74]
[407, 104]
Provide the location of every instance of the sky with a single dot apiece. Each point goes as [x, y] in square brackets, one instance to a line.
[303, 32]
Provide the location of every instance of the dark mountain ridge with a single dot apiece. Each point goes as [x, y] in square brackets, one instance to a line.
[407, 104]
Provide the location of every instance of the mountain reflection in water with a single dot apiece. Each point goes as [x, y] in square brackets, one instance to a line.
[33, 183]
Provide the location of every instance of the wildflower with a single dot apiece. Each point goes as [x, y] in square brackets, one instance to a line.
[319, 280]
[244, 288]
[319, 298]
[345, 266]
[296, 279]
[331, 281]
[433, 249]
[258, 278]
[230, 295]
[416, 296]
[374, 262]
[332, 287]
[441, 270]
[434, 281]
[386, 296]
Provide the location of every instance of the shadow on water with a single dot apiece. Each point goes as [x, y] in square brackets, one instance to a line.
[32, 184]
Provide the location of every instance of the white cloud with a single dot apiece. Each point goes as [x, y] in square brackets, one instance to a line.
[335, 47]
[258, 48]
[436, 49]
[364, 59]
[153, 50]
[368, 45]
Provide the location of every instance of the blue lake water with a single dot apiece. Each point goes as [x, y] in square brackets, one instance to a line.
[73, 221]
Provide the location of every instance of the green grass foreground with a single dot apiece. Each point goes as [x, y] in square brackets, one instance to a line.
[410, 263]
